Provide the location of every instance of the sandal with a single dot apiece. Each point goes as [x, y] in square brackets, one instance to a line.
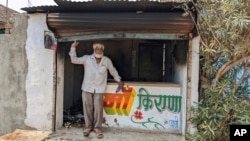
[86, 132]
[98, 133]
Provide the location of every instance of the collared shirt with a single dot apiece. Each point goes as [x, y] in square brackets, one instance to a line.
[95, 75]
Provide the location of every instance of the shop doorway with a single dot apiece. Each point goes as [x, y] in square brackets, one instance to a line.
[136, 60]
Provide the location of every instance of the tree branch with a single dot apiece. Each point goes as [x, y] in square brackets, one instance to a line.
[226, 67]
[236, 86]
[209, 27]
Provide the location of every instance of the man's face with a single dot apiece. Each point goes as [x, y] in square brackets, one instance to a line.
[98, 50]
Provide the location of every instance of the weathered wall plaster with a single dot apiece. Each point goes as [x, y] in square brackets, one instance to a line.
[39, 82]
[13, 68]
[180, 77]
[59, 87]
[195, 75]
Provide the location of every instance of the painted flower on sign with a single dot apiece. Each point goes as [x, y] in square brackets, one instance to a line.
[138, 115]
[116, 121]
[104, 121]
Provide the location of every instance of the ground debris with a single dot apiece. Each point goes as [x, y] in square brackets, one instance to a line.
[70, 121]
[25, 135]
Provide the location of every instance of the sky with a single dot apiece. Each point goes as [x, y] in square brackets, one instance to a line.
[18, 4]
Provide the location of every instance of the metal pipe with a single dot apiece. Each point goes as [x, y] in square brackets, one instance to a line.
[163, 62]
[54, 92]
[159, 36]
[6, 10]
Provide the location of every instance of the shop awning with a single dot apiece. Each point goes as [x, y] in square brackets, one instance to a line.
[71, 24]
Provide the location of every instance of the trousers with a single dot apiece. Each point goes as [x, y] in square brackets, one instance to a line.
[92, 109]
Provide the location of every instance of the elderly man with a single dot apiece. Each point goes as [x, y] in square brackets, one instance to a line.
[94, 85]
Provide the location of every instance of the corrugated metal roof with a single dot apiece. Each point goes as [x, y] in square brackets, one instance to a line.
[108, 16]
[68, 24]
[106, 6]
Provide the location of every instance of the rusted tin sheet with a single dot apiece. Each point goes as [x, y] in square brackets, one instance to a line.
[69, 24]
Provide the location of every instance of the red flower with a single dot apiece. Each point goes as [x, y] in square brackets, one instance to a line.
[115, 120]
[138, 115]
[104, 120]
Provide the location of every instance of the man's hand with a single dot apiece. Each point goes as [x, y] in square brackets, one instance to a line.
[120, 86]
[121, 83]
[74, 44]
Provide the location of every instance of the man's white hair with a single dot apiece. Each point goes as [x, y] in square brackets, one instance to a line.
[99, 45]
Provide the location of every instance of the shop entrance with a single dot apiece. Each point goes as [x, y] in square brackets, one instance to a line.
[136, 60]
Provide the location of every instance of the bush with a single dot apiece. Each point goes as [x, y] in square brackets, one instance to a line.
[215, 114]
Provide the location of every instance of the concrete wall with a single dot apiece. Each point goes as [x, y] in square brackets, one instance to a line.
[13, 68]
[60, 86]
[3, 16]
[27, 86]
[181, 77]
[39, 81]
[195, 75]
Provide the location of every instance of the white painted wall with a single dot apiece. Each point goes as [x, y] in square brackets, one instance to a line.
[121, 109]
[180, 77]
[39, 82]
[195, 74]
